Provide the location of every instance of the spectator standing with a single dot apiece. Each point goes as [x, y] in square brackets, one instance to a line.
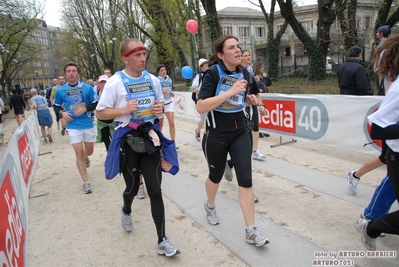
[382, 35]
[353, 78]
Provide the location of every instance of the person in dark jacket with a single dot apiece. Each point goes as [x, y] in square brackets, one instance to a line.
[17, 104]
[353, 78]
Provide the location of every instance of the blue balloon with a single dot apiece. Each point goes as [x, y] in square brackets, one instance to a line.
[187, 72]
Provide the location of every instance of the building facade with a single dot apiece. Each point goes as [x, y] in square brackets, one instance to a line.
[39, 72]
[249, 26]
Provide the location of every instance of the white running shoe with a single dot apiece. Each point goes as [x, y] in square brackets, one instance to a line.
[166, 248]
[254, 237]
[258, 155]
[127, 222]
[211, 216]
[351, 185]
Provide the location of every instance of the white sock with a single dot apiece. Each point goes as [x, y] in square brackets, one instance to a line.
[210, 206]
[250, 228]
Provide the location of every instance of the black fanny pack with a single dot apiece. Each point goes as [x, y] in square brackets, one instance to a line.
[136, 143]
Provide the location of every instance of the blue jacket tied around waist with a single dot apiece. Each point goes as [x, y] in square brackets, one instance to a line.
[112, 161]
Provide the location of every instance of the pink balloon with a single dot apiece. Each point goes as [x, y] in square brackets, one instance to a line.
[192, 26]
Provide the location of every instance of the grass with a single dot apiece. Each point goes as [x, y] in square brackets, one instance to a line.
[301, 85]
[296, 85]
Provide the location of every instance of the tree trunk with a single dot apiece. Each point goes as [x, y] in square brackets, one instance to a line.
[212, 19]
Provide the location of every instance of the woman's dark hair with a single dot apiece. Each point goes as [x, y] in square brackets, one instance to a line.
[160, 66]
[218, 47]
[388, 64]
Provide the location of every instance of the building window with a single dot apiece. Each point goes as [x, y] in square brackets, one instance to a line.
[287, 51]
[308, 26]
[243, 32]
[260, 32]
[227, 30]
[367, 22]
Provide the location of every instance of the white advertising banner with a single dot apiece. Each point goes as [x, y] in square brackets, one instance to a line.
[336, 120]
[16, 172]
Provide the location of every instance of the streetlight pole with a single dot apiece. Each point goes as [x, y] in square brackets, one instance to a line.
[114, 67]
[191, 39]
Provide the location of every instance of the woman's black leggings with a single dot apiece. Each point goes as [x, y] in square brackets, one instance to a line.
[150, 166]
[217, 144]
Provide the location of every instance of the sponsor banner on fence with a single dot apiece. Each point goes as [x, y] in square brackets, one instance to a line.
[16, 171]
[336, 120]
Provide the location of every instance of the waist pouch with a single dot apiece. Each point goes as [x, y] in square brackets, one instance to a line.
[136, 143]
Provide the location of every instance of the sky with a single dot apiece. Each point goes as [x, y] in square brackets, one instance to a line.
[52, 16]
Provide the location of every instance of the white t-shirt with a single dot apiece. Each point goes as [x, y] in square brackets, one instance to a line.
[114, 94]
[388, 113]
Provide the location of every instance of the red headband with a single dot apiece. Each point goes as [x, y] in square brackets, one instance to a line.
[134, 50]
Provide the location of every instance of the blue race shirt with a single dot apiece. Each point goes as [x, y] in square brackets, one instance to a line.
[143, 90]
[73, 97]
[166, 84]
[235, 103]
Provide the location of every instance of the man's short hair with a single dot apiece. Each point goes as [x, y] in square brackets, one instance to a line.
[354, 51]
[70, 63]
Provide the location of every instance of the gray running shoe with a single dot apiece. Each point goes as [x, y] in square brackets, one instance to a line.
[352, 182]
[45, 140]
[364, 218]
[228, 173]
[368, 242]
[50, 139]
[63, 131]
[141, 192]
[87, 161]
[211, 215]
[127, 223]
[87, 188]
[256, 199]
[254, 237]
[166, 248]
